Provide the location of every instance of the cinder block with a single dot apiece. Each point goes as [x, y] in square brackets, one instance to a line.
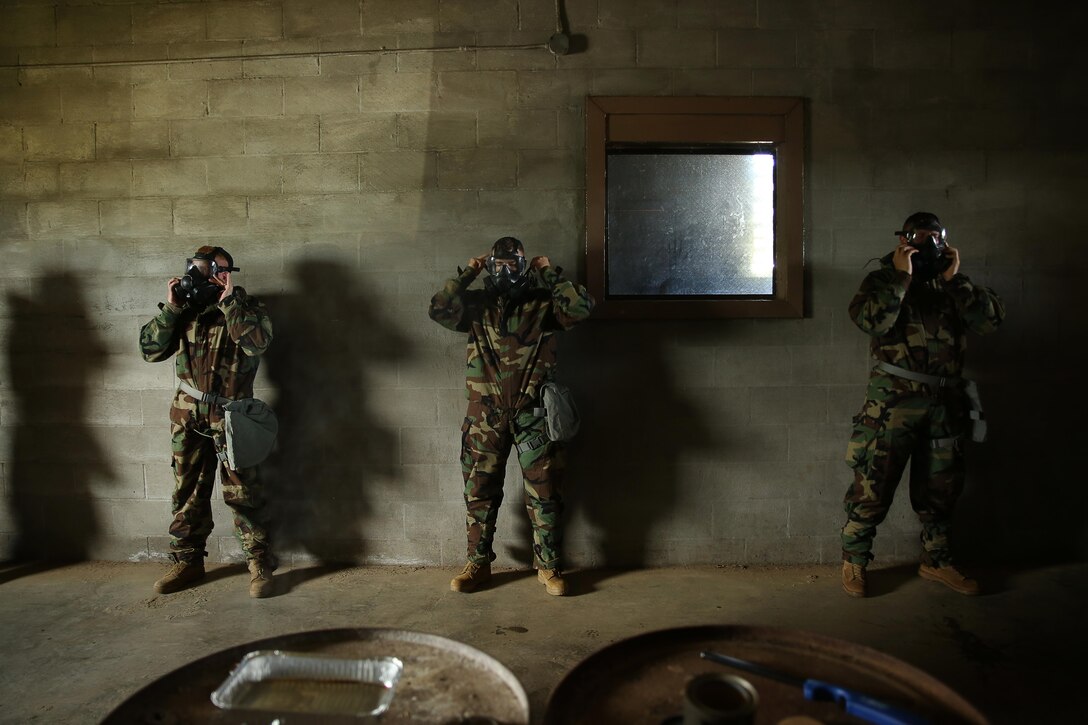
[437, 61]
[12, 181]
[815, 518]
[363, 63]
[207, 137]
[174, 177]
[826, 365]
[477, 169]
[518, 130]
[94, 25]
[170, 23]
[98, 179]
[61, 219]
[28, 25]
[605, 49]
[783, 550]
[119, 548]
[276, 213]
[251, 97]
[305, 18]
[552, 89]
[436, 130]
[427, 445]
[63, 142]
[318, 173]
[172, 99]
[717, 14]
[752, 366]
[400, 16]
[11, 144]
[670, 48]
[476, 91]
[282, 67]
[245, 175]
[396, 92]
[282, 136]
[468, 15]
[359, 132]
[399, 170]
[244, 20]
[124, 481]
[501, 56]
[826, 49]
[895, 49]
[719, 82]
[550, 170]
[757, 48]
[131, 140]
[205, 70]
[96, 101]
[636, 14]
[210, 217]
[139, 218]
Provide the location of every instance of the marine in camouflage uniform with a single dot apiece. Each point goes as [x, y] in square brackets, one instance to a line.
[919, 326]
[511, 352]
[217, 347]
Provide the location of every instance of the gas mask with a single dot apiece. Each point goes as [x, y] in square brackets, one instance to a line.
[196, 287]
[508, 273]
[930, 260]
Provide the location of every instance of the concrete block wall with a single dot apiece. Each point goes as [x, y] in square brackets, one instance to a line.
[349, 186]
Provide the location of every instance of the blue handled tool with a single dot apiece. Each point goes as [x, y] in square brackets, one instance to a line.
[861, 706]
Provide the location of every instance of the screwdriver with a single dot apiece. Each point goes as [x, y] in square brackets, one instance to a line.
[855, 703]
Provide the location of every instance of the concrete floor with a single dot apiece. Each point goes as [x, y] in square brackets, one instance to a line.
[77, 640]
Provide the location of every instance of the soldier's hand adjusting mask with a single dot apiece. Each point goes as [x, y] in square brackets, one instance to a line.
[932, 244]
[196, 286]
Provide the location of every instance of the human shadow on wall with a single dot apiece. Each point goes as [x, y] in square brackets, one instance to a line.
[54, 358]
[332, 450]
[1025, 497]
[624, 472]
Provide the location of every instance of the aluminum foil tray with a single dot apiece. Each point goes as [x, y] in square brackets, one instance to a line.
[283, 682]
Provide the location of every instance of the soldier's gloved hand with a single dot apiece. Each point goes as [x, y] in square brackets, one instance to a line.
[954, 267]
[477, 263]
[901, 257]
[172, 291]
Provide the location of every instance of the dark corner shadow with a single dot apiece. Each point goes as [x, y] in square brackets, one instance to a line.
[12, 570]
[332, 449]
[624, 471]
[54, 354]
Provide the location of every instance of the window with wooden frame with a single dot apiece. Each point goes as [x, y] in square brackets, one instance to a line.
[693, 206]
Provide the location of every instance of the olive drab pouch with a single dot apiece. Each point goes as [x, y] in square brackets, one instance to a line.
[561, 416]
[250, 428]
[251, 432]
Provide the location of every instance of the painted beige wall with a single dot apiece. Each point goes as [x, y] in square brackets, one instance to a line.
[349, 187]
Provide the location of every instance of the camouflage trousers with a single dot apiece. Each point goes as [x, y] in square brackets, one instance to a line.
[195, 464]
[895, 427]
[486, 438]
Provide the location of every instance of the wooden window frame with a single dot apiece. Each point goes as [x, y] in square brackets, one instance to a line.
[777, 122]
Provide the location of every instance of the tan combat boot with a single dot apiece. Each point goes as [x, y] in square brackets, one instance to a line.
[853, 579]
[951, 577]
[552, 580]
[472, 576]
[260, 579]
[180, 576]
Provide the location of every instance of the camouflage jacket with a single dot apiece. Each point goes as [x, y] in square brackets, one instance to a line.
[512, 347]
[922, 327]
[217, 349]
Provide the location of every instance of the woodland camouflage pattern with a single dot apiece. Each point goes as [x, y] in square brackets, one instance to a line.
[923, 331]
[511, 352]
[217, 350]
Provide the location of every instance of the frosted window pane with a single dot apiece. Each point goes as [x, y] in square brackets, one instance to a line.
[690, 224]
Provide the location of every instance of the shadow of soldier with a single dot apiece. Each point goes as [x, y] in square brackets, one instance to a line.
[331, 449]
[54, 354]
[625, 472]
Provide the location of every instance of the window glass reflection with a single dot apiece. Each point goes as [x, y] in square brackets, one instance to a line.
[690, 224]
